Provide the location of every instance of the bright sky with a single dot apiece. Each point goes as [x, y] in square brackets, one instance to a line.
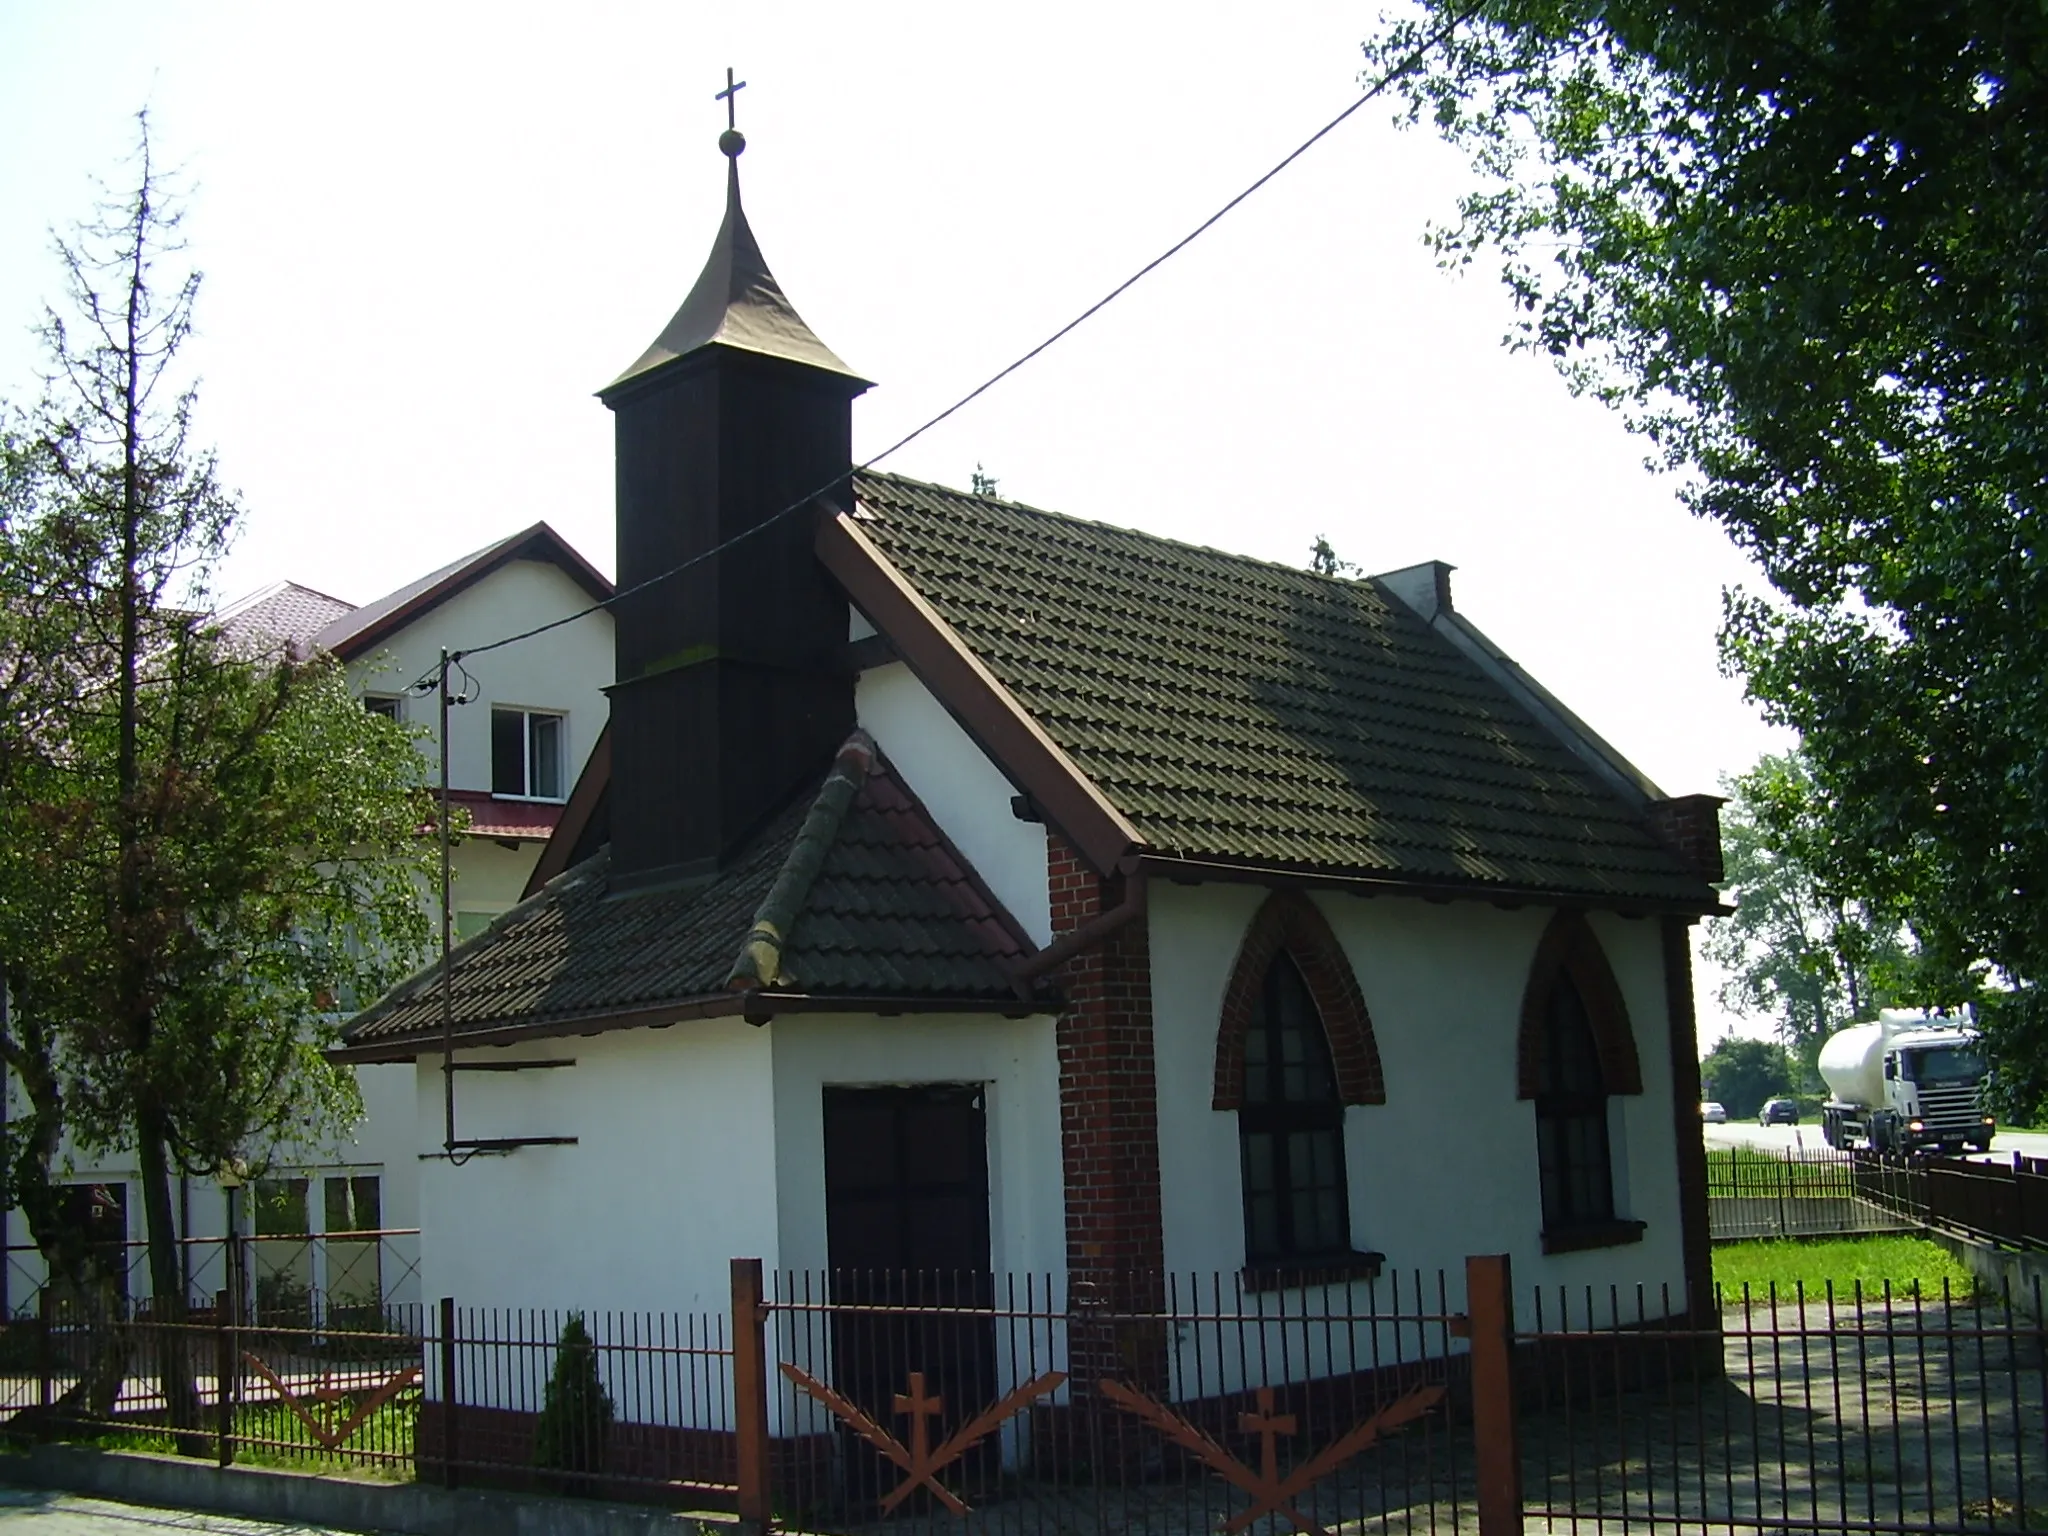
[429, 233]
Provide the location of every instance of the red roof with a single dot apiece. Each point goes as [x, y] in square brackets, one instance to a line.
[489, 816]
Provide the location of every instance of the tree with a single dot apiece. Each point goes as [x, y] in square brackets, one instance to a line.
[576, 1413]
[1740, 1074]
[207, 851]
[1800, 246]
[1795, 953]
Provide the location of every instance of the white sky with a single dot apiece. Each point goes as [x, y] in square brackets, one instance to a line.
[430, 232]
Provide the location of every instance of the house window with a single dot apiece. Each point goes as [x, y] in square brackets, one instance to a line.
[526, 754]
[1572, 1151]
[1290, 1127]
[385, 704]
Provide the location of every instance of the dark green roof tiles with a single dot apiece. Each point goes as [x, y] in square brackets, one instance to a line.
[1237, 710]
[882, 909]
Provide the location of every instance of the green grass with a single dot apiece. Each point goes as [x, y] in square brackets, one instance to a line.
[388, 1432]
[1903, 1261]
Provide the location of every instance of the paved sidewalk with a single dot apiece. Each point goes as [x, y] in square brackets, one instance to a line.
[33, 1512]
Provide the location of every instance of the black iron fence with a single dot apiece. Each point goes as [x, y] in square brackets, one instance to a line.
[1843, 1409]
[1173, 1404]
[1753, 1193]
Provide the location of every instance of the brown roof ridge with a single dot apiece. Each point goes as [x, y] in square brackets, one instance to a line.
[356, 632]
[1006, 504]
[998, 720]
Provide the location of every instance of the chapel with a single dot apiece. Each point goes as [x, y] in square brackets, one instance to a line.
[962, 886]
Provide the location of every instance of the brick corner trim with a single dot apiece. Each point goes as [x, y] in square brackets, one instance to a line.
[1291, 922]
[1570, 950]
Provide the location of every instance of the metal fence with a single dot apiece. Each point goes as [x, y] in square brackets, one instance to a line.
[1847, 1409]
[1821, 1193]
[613, 1404]
[1181, 1403]
[1178, 1404]
[1817, 1193]
[1995, 1202]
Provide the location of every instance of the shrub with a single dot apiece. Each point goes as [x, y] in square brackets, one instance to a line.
[576, 1416]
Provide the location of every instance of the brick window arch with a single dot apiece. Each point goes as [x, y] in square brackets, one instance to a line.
[1289, 923]
[1570, 951]
[1575, 1053]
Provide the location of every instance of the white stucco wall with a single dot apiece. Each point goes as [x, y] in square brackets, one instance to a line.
[563, 671]
[1447, 1166]
[968, 796]
[672, 1176]
[1017, 1060]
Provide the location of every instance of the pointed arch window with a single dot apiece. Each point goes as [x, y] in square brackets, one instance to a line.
[1572, 1148]
[1577, 1052]
[1290, 1126]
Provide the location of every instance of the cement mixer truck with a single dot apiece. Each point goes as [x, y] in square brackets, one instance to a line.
[1909, 1082]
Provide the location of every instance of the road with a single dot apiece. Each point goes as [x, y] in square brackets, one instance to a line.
[33, 1512]
[1806, 1138]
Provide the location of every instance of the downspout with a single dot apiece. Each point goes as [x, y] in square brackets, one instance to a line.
[1097, 930]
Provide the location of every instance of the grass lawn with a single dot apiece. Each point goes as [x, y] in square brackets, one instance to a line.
[1905, 1262]
[388, 1432]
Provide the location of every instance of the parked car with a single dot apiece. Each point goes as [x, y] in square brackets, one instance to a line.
[1713, 1114]
[1779, 1112]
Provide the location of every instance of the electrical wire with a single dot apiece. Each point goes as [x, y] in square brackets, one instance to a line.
[1407, 64]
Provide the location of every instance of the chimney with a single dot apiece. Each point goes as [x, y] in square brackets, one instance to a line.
[729, 697]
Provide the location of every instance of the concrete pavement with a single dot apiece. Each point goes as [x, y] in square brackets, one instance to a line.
[38, 1512]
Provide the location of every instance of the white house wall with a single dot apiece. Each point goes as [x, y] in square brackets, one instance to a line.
[1017, 1061]
[1447, 1166]
[672, 1176]
[967, 795]
[563, 671]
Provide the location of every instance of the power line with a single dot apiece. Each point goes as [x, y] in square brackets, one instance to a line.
[1414, 57]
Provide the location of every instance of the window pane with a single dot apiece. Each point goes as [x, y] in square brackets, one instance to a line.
[369, 1197]
[384, 704]
[281, 1207]
[339, 1217]
[546, 735]
[284, 1263]
[508, 752]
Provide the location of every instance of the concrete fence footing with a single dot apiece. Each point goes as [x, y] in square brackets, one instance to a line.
[413, 1509]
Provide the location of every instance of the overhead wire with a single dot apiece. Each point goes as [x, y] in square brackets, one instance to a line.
[1413, 58]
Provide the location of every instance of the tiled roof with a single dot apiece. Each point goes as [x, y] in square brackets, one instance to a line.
[360, 629]
[283, 611]
[1246, 712]
[525, 820]
[885, 910]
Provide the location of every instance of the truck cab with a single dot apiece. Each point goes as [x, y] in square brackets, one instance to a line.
[1928, 1093]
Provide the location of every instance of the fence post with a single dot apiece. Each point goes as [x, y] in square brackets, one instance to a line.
[1490, 1304]
[224, 1378]
[750, 1393]
[46, 1365]
[447, 1346]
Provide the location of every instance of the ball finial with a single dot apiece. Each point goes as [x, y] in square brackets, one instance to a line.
[731, 143]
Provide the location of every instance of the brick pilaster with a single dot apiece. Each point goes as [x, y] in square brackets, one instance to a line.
[1109, 1112]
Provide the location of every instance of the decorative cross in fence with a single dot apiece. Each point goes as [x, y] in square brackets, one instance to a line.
[1270, 1493]
[334, 1429]
[921, 1464]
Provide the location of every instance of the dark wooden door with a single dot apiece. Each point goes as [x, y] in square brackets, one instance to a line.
[907, 1228]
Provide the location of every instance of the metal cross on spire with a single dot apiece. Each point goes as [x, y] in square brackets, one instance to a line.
[732, 141]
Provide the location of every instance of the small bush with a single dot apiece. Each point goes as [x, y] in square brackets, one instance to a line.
[576, 1417]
